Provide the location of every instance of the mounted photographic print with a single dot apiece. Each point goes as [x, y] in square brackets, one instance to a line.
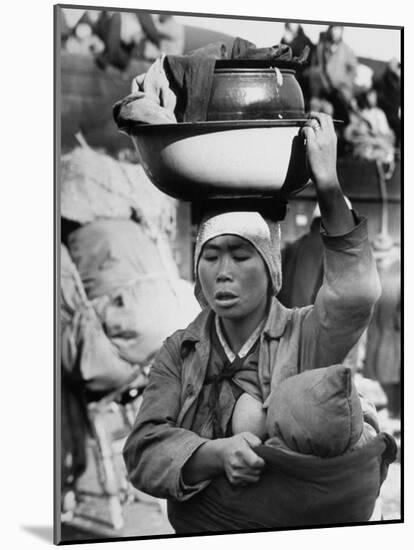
[228, 220]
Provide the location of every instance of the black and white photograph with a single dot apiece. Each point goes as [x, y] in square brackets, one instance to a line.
[229, 326]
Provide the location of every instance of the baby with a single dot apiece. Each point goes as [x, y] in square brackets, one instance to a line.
[317, 412]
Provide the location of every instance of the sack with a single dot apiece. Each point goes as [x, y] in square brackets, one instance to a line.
[87, 355]
[133, 284]
[95, 186]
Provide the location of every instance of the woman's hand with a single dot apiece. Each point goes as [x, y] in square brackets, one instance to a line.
[321, 143]
[241, 464]
[233, 456]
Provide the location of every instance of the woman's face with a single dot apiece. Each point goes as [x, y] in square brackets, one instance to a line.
[233, 277]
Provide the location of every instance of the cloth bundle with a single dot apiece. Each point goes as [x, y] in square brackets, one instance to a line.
[325, 463]
[94, 186]
[88, 355]
[295, 490]
[178, 88]
[122, 297]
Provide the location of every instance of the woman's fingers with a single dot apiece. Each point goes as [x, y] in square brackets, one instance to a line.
[244, 478]
[253, 461]
[309, 133]
[325, 121]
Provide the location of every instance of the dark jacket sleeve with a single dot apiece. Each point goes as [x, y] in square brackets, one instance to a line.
[156, 450]
[344, 303]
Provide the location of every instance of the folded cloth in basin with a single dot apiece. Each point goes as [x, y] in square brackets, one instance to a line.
[243, 49]
[178, 88]
[151, 100]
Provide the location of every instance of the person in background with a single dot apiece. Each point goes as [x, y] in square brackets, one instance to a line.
[139, 35]
[302, 265]
[295, 37]
[383, 350]
[331, 75]
[374, 115]
[368, 132]
[388, 88]
[78, 35]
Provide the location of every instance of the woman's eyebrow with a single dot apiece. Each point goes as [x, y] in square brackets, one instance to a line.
[231, 247]
[211, 247]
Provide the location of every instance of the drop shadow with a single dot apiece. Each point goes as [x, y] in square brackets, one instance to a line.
[43, 532]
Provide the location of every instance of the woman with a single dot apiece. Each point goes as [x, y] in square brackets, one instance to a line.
[202, 412]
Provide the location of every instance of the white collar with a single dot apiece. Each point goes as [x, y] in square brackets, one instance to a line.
[247, 346]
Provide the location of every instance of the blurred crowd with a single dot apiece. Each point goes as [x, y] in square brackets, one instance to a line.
[114, 38]
[333, 80]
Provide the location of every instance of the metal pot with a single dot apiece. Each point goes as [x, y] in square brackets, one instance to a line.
[254, 90]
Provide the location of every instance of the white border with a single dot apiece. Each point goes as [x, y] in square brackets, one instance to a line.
[27, 272]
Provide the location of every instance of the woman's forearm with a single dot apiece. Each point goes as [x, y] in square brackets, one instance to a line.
[336, 217]
[205, 463]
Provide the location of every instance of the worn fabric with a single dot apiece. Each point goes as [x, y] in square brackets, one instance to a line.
[151, 100]
[243, 49]
[295, 490]
[263, 234]
[246, 347]
[292, 341]
[225, 381]
[191, 79]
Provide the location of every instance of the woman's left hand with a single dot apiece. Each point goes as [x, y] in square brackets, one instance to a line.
[321, 143]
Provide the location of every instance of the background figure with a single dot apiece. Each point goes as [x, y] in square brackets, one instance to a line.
[302, 267]
[368, 133]
[388, 88]
[78, 36]
[374, 114]
[138, 35]
[295, 37]
[383, 352]
[332, 74]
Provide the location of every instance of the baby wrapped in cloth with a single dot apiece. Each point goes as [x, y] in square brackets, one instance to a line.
[325, 460]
